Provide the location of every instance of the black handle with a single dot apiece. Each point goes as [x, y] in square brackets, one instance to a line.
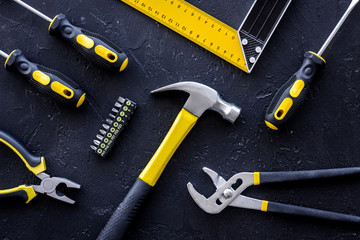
[34, 163]
[47, 80]
[125, 213]
[92, 46]
[274, 177]
[309, 212]
[292, 94]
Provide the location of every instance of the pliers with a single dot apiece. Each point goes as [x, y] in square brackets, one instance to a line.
[229, 193]
[36, 165]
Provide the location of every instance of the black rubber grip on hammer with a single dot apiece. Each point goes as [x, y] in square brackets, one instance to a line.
[125, 213]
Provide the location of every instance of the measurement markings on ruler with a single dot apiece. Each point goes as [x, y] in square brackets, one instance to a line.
[195, 25]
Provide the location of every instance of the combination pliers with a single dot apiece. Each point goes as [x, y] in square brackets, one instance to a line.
[37, 166]
[229, 193]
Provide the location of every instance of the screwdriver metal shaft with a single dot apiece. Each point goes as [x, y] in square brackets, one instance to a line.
[291, 95]
[43, 16]
[336, 29]
[4, 54]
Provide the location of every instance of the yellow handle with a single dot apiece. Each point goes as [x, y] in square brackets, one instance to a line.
[178, 131]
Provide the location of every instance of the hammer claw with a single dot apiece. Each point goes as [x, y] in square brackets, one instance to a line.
[203, 98]
[188, 87]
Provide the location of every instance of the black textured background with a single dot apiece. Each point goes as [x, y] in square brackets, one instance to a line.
[325, 134]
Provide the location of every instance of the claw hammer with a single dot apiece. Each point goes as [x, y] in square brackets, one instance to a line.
[201, 98]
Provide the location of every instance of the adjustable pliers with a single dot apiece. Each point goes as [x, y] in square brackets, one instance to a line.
[36, 165]
[229, 193]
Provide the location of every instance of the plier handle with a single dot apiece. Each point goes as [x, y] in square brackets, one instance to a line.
[229, 193]
[37, 166]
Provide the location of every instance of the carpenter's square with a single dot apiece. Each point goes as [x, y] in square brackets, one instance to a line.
[241, 47]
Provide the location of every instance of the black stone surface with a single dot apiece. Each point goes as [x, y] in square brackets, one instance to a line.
[325, 134]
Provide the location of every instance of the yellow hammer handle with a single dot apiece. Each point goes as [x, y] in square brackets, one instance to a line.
[178, 131]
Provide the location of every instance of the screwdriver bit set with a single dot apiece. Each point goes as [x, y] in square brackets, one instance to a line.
[113, 126]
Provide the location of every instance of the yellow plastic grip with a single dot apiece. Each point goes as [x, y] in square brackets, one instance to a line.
[264, 206]
[256, 178]
[8, 58]
[124, 65]
[85, 41]
[62, 90]
[41, 77]
[270, 125]
[184, 122]
[318, 56]
[29, 191]
[297, 88]
[52, 22]
[81, 100]
[106, 54]
[283, 108]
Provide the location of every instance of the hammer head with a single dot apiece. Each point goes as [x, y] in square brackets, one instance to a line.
[203, 98]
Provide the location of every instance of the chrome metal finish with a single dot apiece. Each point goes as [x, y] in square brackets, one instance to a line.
[105, 126]
[211, 204]
[121, 100]
[203, 98]
[118, 105]
[31, 9]
[49, 184]
[337, 27]
[4, 54]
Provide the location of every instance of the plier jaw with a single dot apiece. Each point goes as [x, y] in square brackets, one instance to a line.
[229, 193]
[36, 165]
[49, 186]
[225, 193]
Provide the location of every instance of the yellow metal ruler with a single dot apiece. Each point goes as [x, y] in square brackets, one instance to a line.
[195, 25]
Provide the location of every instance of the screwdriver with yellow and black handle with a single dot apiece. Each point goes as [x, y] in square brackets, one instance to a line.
[47, 80]
[92, 46]
[292, 94]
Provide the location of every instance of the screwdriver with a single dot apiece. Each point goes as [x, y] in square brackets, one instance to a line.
[92, 46]
[47, 80]
[292, 94]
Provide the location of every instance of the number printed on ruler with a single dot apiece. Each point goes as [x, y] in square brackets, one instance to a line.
[195, 25]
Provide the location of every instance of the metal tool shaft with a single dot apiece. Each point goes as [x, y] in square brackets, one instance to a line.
[31, 9]
[4, 54]
[337, 27]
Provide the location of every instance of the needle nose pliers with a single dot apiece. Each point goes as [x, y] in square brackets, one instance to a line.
[37, 166]
[229, 193]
